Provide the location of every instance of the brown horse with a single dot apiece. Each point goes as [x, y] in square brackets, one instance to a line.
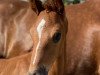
[83, 38]
[49, 37]
[16, 19]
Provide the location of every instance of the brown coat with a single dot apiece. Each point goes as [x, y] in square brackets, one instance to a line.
[83, 38]
[16, 19]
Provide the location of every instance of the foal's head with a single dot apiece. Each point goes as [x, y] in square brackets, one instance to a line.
[48, 34]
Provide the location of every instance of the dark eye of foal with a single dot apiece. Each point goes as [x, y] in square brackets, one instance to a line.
[57, 37]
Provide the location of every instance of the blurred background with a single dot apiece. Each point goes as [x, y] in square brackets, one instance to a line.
[67, 2]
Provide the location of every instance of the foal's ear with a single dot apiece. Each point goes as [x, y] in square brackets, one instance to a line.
[36, 5]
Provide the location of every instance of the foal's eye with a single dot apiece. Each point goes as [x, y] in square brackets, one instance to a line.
[57, 37]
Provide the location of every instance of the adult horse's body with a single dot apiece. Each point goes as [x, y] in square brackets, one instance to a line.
[16, 19]
[83, 38]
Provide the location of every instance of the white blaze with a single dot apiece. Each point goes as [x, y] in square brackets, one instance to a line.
[40, 27]
[39, 30]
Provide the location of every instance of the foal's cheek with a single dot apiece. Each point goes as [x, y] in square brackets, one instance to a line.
[49, 55]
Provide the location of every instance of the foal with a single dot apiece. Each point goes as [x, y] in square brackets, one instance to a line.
[49, 37]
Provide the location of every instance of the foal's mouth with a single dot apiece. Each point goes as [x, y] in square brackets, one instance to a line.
[40, 71]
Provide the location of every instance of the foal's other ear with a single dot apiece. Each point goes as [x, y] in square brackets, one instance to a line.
[33, 5]
[36, 5]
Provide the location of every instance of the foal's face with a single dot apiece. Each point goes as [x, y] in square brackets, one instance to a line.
[47, 35]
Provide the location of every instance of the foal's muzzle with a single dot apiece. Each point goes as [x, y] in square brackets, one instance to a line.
[40, 71]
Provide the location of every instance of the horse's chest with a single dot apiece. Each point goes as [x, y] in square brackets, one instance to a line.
[79, 51]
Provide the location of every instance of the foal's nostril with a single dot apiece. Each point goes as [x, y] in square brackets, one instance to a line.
[34, 74]
[37, 74]
[40, 73]
[42, 70]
